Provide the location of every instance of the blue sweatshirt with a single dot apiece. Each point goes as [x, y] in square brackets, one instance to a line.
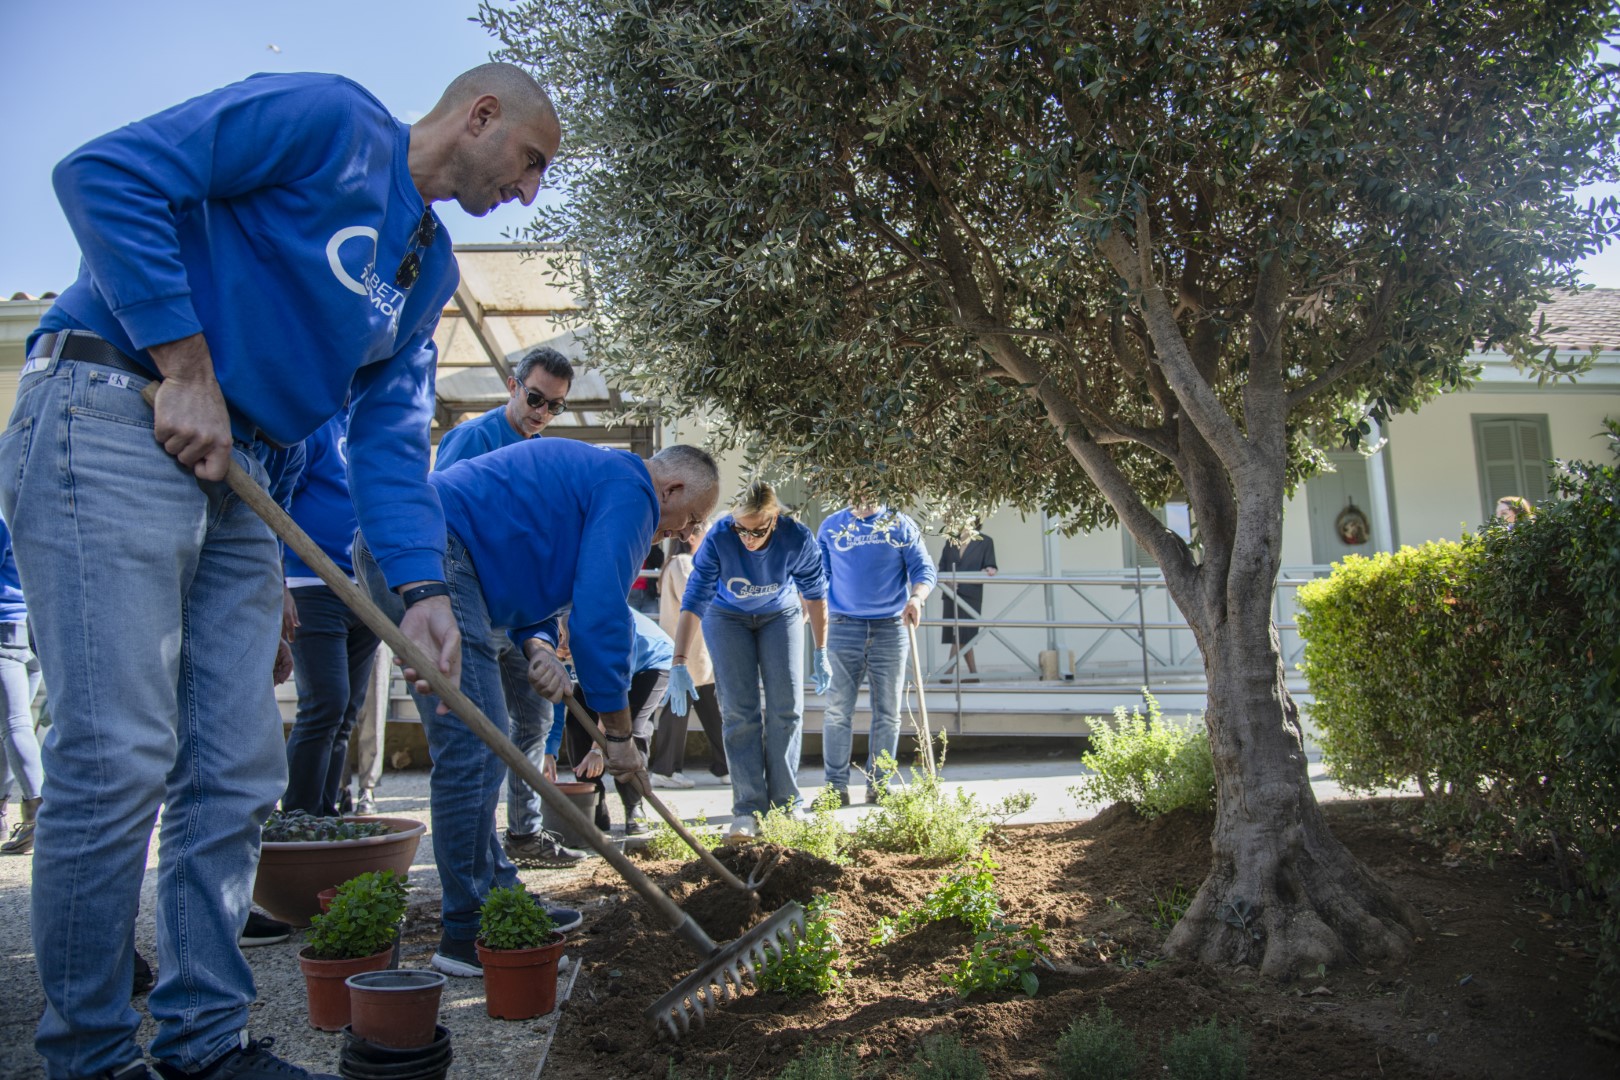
[12, 608]
[271, 215]
[654, 651]
[550, 523]
[320, 502]
[474, 437]
[872, 563]
[745, 582]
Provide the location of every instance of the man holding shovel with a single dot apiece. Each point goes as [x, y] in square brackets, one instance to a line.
[534, 529]
[268, 250]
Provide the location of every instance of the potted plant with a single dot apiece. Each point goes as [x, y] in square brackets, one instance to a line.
[395, 1009]
[301, 854]
[519, 948]
[356, 935]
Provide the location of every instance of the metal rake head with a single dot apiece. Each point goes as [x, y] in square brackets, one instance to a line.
[721, 977]
[764, 866]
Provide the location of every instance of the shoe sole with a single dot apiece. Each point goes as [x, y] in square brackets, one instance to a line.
[457, 969]
[567, 927]
[256, 942]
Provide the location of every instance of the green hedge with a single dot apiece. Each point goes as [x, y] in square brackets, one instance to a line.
[1487, 671]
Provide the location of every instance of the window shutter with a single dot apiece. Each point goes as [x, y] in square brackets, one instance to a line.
[1513, 453]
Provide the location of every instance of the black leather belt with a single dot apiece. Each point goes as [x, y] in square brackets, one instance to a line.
[89, 348]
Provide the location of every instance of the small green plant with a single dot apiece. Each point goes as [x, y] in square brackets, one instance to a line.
[513, 919]
[665, 843]
[295, 826]
[1097, 1047]
[1168, 910]
[823, 1063]
[1003, 958]
[944, 1057]
[968, 894]
[1207, 1052]
[819, 833]
[810, 966]
[920, 818]
[363, 919]
[1154, 766]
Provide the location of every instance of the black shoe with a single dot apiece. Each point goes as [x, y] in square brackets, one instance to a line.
[602, 820]
[635, 823]
[345, 804]
[541, 849]
[263, 930]
[22, 839]
[457, 957]
[843, 796]
[252, 1062]
[873, 794]
[144, 979]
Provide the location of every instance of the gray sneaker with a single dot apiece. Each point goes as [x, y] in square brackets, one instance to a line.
[541, 849]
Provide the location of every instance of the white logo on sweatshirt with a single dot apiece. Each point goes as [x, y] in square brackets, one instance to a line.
[383, 296]
[743, 589]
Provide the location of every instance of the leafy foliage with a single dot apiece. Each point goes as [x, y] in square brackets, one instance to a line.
[665, 843]
[823, 1063]
[944, 1057]
[968, 894]
[1003, 958]
[1154, 766]
[1097, 1047]
[288, 826]
[820, 833]
[810, 966]
[363, 918]
[1207, 1052]
[512, 918]
[920, 818]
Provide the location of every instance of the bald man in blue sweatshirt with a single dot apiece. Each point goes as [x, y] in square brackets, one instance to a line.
[533, 529]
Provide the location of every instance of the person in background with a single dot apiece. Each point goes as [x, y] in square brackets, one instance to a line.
[969, 552]
[878, 576]
[539, 386]
[644, 590]
[1513, 509]
[669, 744]
[744, 597]
[19, 683]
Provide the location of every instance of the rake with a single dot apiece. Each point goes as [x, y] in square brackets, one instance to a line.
[723, 969]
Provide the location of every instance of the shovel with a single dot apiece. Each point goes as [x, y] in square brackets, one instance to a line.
[922, 705]
[722, 969]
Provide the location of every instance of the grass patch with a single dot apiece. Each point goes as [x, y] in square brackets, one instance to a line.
[1097, 1047]
[1207, 1052]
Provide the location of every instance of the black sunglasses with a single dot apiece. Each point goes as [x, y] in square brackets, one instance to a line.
[757, 534]
[410, 267]
[556, 406]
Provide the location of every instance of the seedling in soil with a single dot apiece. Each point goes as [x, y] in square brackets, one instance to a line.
[969, 895]
[810, 966]
[665, 843]
[1003, 958]
[1207, 1052]
[919, 818]
[1168, 910]
[943, 1057]
[823, 1063]
[819, 834]
[1097, 1047]
[295, 826]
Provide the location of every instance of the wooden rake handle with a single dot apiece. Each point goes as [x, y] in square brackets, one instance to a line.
[922, 703]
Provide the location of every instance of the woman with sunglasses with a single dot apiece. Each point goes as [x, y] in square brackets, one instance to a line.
[748, 578]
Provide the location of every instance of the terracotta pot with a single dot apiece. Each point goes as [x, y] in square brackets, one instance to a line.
[520, 984]
[325, 988]
[395, 1009]
[292, 875]
[326, 896]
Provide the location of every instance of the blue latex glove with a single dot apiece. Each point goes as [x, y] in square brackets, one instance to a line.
[821, 673]
[682, 691]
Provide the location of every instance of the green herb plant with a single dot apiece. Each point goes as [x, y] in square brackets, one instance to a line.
[820, 833]
[665, 843]
[1097, 1047]
[920, 818]
[293, 826]
[513, 919]
[1004, 957]
[363, 919]
[1168, 910]
[944, 1057]
[1154, 766]
[1207, 1052]
[823, 1063]
[810, 966]
[968, 894]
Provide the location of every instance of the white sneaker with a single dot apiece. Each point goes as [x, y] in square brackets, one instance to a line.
[742, 829]
[673, 780]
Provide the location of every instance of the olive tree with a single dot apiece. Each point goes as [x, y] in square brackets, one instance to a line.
[1088, 256]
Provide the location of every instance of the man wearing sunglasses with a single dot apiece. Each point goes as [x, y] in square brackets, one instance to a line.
[268, 250]
[538, 385]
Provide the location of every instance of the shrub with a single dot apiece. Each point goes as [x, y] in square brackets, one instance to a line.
[513, 919]
[823, 1063]
[292, 826]
[819, 833]
[1097, 1047]
[363, 919]
[810, 966]
[1003, 958]
[919, 818]
[1154, 766]
[665, 843]
[969, 895]
[1207, 1052]
[943, 1057]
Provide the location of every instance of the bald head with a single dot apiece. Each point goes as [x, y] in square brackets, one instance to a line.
[488, 140]
[508, 83]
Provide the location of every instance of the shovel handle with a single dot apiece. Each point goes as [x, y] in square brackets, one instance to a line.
[281, 523]
[922, 703]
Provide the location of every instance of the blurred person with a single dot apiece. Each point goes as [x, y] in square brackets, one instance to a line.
[669, 743]
[969, 551]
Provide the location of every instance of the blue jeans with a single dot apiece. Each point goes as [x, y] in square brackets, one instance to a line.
[332, 657]
[464, 787]
[872, 650]
[530, 715]
[156, 606]
[762, 745]
[19, 682]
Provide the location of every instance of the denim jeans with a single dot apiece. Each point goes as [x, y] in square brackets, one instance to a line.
[464, 787]
[19, 682]
[156, 606]
[762, 745]
[530, 716]
[872, 650]
[332, 656]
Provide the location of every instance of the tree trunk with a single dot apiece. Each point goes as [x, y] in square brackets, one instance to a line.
[1283, 894]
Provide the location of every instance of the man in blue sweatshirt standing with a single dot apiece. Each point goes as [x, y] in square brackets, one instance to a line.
[878, 576]
[269, 251]
[536, 528]
[539, 386]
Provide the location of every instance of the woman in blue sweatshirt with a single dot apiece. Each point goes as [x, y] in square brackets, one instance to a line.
[747, 580]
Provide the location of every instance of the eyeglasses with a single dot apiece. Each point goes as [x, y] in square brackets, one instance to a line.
[754, 534]
[556, 406]
[410, 267]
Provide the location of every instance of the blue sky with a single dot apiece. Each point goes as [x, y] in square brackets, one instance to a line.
[73, 69]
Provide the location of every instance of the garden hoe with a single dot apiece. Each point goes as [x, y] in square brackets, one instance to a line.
[723, 968]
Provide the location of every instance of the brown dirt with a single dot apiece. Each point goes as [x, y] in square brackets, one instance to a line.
[1494, 990]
